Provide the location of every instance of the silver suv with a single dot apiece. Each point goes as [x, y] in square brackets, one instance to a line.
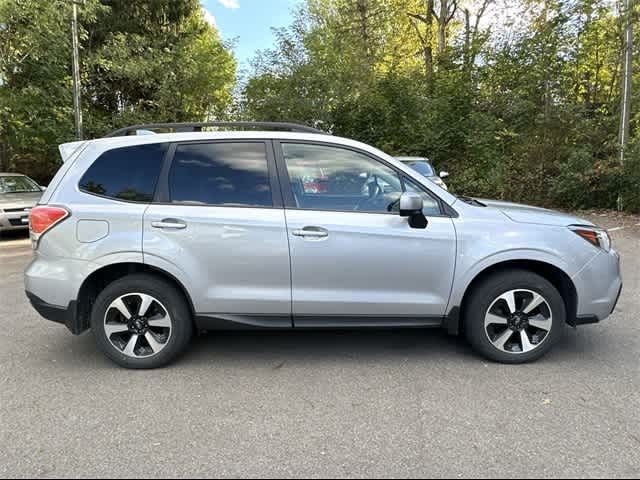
[146, 239]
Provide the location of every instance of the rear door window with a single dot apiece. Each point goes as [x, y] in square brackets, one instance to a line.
[129, 173]
[221, 174]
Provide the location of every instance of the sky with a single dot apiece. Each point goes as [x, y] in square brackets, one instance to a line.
[248, 23]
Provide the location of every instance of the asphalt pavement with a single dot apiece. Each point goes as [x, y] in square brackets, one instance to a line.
[406, 403]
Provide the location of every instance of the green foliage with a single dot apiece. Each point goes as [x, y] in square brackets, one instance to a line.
[142, 61]
[534, 118]
[35, 95]
[630, 179]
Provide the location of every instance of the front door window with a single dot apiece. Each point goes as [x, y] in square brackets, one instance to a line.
[329, 178]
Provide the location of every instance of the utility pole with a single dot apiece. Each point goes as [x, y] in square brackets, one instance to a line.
[625, 103]
[77, 107]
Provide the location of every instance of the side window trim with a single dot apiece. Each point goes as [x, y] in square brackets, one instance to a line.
[283, 176]
[162, 190]
[163, 195]
[285, 181]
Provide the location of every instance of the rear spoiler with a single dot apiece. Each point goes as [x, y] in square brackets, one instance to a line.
[67, 150]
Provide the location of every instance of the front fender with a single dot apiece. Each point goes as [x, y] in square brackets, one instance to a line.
[466, 274]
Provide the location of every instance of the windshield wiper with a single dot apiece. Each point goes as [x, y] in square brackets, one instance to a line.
[471, 201]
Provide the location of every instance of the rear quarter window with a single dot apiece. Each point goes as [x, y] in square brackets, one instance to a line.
[128, 173]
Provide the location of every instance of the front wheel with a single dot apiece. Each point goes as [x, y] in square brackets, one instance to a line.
[141, 321]
[514, 317]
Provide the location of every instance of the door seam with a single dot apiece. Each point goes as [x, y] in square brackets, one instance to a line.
[286, 229]
[144, 217]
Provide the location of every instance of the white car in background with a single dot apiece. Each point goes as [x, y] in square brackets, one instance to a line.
[18, 195]
[423, 166]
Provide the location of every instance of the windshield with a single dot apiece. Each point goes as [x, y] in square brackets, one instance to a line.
[423, 168]
[18, 184]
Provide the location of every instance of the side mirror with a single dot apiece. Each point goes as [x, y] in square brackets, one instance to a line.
[411, 205]
[444, 174]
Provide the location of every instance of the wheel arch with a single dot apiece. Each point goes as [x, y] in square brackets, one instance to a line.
[553, 273]
[102, 277]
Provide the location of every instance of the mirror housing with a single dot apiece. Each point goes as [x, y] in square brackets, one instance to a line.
[411, 205]
[444, 174]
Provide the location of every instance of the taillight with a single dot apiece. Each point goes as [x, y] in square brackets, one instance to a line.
[44, 218]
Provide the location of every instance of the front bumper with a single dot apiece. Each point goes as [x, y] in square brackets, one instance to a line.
[599, 286]
[14, 220]
[64, 315]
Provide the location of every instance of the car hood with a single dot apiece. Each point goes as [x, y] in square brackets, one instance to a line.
[528, 214]
[17, 200]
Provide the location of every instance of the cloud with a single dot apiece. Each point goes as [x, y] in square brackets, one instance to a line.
[230, 3]
[209, 18]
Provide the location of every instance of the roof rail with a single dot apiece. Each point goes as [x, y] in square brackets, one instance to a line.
[198, 126]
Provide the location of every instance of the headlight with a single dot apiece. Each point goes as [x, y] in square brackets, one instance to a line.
[595, 236]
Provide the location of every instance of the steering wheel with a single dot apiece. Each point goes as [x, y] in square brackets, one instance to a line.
[393, 205]
[375, 191]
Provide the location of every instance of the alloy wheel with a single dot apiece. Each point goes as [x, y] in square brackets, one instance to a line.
[138, 325]
[518, 321]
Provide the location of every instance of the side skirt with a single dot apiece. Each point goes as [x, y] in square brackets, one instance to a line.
[221, 321]
[224, 321]
[366, 321]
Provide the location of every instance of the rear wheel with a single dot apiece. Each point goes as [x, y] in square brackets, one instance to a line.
[514, 317]
[141, 321]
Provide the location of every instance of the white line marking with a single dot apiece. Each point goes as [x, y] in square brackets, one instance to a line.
[15, 243]
[616, 229]
[16, 254]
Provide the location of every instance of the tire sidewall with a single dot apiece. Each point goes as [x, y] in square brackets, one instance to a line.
[165, 293]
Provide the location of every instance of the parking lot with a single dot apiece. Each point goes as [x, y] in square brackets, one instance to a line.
[406, 403]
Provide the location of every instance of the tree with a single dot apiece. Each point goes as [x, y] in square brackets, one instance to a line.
[445, 14]
[627, 74]
[426, 38]
[142, 61]
[155, 61]
[472, 33]
[521, 106]
[35, 84]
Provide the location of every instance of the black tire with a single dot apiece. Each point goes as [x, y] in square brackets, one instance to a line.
[168, 295]
[486, 292]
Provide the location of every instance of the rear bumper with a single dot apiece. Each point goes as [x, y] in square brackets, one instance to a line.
[66, 316]
[54, 280]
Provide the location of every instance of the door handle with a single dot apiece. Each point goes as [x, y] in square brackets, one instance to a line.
[311, 232]
[170, 223]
